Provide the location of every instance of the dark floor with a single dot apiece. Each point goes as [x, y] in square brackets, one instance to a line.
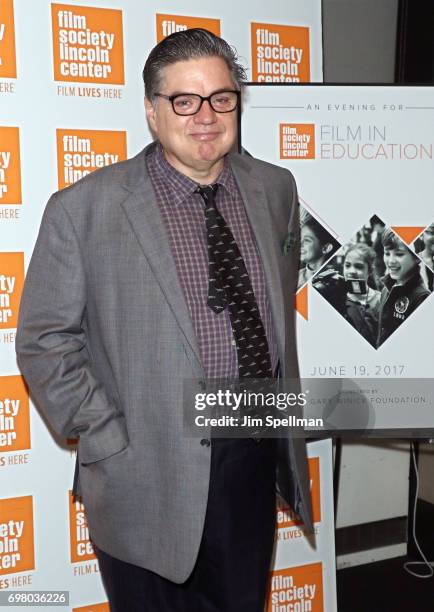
[385, 586]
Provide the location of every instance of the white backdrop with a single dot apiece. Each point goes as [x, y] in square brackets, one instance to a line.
[54, 125]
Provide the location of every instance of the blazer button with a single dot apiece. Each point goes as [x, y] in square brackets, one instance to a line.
[205, 442]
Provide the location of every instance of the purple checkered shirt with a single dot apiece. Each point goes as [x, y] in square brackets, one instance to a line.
[183, 213]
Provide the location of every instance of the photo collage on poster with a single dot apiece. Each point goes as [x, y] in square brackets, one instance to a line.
[374, 281]
[424, 247]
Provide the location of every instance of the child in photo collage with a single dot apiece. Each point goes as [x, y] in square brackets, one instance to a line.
[404, 289]
[350, 287]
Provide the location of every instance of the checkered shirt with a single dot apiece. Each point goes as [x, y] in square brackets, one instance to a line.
[182, 211]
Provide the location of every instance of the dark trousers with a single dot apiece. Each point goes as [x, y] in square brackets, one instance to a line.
[232, 568]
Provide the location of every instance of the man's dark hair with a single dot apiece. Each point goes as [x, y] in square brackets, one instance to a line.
[183, 46]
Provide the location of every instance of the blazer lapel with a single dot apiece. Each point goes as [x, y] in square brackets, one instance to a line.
[255, 201]
[143, 213]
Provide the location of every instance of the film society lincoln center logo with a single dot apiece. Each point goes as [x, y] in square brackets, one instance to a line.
[79, 152]
[296, 589]
[16, 535]
[14, 415]
[81, 545]
[297, 141]
[280, 53]
[8, 68]
[11, 287]
[10, 172]
[87, 44]
[168, 24]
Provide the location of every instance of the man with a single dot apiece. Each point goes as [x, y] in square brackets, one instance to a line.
[119, 310]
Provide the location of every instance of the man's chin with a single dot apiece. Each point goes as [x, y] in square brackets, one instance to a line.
[208, 152]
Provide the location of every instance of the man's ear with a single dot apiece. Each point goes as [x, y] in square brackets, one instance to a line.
[327, 248]
[150, 114]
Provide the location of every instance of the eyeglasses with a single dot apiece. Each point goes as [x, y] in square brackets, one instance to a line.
[190, 104]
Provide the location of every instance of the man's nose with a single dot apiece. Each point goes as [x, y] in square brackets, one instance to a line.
[206, 114]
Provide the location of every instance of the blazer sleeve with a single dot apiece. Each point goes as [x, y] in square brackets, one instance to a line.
[294, 235]
[51, 342]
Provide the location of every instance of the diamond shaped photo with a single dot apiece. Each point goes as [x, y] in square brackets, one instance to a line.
[375, 282]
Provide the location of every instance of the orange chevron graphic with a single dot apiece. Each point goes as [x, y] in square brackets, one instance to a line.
[407, 233]
[302, 302]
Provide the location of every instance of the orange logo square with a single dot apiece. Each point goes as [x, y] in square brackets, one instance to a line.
[80, 152]
[297, 141]
[8, 65]
[280, 53]
[14, 414]
[296, 588]
[286, 517]
[16, 535]
[87, 44]
[11, 288]
[10, 170]
[168, 24]
[102, 607]
[81, 546]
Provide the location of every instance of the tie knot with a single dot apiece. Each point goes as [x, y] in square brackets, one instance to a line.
[207, 191]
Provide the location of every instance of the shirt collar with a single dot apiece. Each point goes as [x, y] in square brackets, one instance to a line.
[182, 186]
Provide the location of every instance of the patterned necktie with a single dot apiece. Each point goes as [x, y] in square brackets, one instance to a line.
[229, 286]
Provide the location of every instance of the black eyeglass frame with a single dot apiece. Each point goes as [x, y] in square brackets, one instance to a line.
[202, 100]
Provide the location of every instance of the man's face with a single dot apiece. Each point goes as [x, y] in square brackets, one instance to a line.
[400, 263]
[196, 143]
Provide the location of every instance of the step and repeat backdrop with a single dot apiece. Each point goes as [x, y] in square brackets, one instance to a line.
[71, 101]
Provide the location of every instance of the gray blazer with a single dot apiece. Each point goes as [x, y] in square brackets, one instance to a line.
[105, 341]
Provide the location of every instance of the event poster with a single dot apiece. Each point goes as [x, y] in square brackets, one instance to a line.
[363, 161]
